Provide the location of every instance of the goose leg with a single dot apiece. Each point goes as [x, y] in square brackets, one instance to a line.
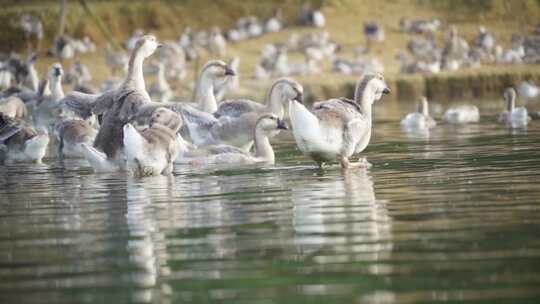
[344, 161]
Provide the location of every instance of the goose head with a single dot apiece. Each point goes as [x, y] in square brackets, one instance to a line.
[371, 85]
[288, 89]
[166, 117]
[55, 72]
[510, 99]
[216, 70]
[147, 45]
[270, 122]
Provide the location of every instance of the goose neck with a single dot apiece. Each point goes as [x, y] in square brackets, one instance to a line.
[55, 85]
[135, 75]
[275, 101]
[205, 94]
[263, 149]
[365, 99]
[510, 104]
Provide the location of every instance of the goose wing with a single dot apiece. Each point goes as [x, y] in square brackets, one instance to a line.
[9, 127]
[80, 103]
[235, 108]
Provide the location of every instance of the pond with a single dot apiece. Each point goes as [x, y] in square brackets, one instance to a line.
[449, 217]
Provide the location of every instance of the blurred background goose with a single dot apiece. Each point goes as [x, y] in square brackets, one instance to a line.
[336, 129]
[419, 120]
[46, 106]
[512, 115]
[527, 90]
[462, 114]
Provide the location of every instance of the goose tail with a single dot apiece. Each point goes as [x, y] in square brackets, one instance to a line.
[305, 126]
[97, 159]
[133, 143]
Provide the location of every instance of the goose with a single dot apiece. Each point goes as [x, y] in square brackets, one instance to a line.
[160, 90]
[153, 150]
[419, 120]
[335, 129]
[6, 77]
[70, 134]
[31, 26]
[265, 126]
[80, 76]
[237, 118]
[31, 80]
[45, 107]
[373, 32]
[19, 142]
[274, 23]
[462, 114]
[213, 73]
[116, 61]
[13, 107]
[217, 44]
[528, 90]
[117, 107]
[511, 115]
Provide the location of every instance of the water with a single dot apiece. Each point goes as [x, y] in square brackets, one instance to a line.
[453, 217]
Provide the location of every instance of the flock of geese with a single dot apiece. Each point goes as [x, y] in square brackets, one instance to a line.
[138, 128]
[123, 129]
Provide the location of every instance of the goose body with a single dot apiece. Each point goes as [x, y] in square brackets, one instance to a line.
[70, 135]
[118, 107]
[19, 142]
[336, 129]
[512, 115]
[13, 107]
[160, 90]
[265, 126]
[419, 120]
[236, 119]
[528, 90]
[153, 150]
[462, 114]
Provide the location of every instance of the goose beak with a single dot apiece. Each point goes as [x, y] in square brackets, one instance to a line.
[281, 125]
[386, 91]
[299, 97]
[229, 72]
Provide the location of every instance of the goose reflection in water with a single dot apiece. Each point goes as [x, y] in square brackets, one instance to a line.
[338, 219]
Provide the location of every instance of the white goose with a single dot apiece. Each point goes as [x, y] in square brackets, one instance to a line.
[265, 127]
[70, 134]
[336, 129]
[45, 107]
[20, 142]
[462, 114]
[237, 118]
[511, 115]
[118, 107]
[160, 90]
[419, 120]
[153, 150]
